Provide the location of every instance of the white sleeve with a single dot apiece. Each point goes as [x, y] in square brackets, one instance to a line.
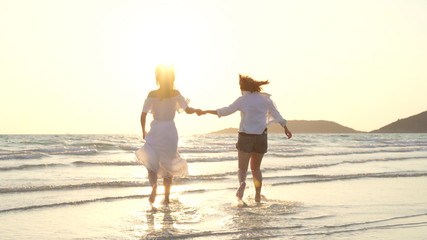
[225, 111]
[147, 105]
[274, 115]
[181, 103]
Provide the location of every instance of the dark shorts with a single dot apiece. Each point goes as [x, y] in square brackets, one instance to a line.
[252, 142]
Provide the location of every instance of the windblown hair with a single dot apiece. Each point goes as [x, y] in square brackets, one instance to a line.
[249, 84]
[165, 79]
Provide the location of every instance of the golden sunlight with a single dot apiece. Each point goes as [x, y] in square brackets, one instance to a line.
[87, 151]
[172, 39]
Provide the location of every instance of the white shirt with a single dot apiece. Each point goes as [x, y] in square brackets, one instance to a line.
[257, 111]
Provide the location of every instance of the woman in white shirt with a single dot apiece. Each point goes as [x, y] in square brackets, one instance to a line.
[257, 111]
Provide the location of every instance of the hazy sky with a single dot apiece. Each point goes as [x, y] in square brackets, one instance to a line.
[86, 66]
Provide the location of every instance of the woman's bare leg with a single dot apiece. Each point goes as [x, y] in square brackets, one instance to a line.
[152, 177]
[256, 159]
[241, 173]
[167, 182]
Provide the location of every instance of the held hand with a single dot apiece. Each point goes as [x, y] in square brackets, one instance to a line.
[288, 133]
[199, 112]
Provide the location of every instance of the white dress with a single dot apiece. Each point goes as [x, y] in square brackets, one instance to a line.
[160, 151]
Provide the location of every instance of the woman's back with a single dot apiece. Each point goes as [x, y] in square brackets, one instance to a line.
[257, 112]
[163, 109]
[254, 112]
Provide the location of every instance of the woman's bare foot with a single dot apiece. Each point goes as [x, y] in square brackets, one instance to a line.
[241, 190]
[153, 194]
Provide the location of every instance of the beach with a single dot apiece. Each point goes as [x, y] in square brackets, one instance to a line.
[316, 186]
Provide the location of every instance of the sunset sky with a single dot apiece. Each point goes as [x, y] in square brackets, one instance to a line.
[86, 66]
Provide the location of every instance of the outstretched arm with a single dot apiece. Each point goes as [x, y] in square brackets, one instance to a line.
[190, 110]
[143, 118]
[214, 112]
[225, 111]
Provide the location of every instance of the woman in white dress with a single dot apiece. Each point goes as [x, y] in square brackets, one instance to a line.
[257, 111]
[160, 152]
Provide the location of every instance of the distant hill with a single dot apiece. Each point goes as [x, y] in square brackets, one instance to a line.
[226, 131]
[302, 126]
[413, 124]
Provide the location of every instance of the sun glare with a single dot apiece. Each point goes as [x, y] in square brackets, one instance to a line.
[175, 41]
[163, 34]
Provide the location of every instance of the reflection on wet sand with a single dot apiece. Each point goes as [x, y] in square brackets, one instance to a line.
[166, 221]
[262, 219]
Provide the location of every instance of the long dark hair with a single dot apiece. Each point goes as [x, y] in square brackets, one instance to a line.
[165, 79]
[249, 84]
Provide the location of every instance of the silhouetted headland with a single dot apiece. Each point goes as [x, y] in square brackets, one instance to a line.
[412, 124]
[302, 126]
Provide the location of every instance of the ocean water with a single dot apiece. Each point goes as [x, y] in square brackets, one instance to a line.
[316, 186]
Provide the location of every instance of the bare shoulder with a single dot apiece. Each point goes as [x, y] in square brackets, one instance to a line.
[154, 93]
[158, 94]
[176, 92]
